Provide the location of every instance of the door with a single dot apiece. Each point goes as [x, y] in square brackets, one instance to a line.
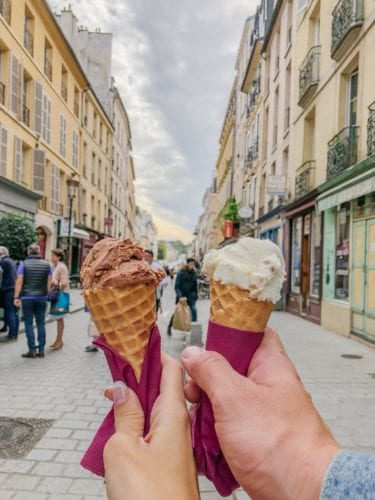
[363, 278]
[305, 262]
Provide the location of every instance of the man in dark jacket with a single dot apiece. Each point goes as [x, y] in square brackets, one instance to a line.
[33, 282]
[186, 286]
[8, 281]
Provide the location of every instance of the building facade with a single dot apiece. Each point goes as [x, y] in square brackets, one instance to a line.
[145, 231]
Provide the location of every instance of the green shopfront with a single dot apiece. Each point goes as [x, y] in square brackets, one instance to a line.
[348, 275]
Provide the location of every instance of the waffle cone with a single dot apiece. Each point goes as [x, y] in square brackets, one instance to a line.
[233, 307]
[124, 317]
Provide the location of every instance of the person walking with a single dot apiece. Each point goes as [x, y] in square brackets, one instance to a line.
[149, 257]
[60, 281]
[34, 278]
[186, 286]
[8, 281]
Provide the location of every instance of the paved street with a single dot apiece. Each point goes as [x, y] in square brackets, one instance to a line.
[67, 387]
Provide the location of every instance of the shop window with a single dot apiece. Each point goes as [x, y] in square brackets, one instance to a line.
[342, 252]
[315, 256]
[296, 254]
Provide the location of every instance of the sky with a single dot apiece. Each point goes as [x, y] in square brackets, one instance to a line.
[173, 62]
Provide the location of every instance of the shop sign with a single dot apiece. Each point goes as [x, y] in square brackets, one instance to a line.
[64, 228]
[276, 185]
[108, 221]
[228, 229]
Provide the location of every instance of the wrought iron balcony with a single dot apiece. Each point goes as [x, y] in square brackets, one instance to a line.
[371, 130]
[26, 115]
[64, 90]
[347, 19]
[342, 151]
[48, 68]
[309, 75]
[28, 41]
[2, 93]
[305, 178]
[249, 158]
[5, 10]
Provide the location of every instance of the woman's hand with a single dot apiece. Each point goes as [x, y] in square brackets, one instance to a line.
[272, 437]
[160, 465]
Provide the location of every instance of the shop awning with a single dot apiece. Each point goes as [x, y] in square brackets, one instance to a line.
[80, 234]
[350, 190]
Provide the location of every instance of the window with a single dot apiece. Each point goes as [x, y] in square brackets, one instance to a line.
[18, 161]
[38, 107]
[5, 10]
[93, 168]
[100, 174]
[64, 83]
[48, 59]
[84, 165]
[76, 102]
[352, 99]
[94, 125]
[62, 135]
[25, 115]
[38, 170]
[276, 116]
[28, 39]
[296, 254]
[315, 255]
[55, 189]
[342, 252]
[3, 150]
[75, 149]
[15, 85]
[287, 98]
[46, 118]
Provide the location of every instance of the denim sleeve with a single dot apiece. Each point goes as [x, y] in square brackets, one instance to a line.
[350, 475]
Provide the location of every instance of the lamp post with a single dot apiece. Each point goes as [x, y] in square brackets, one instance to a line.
[72, 191]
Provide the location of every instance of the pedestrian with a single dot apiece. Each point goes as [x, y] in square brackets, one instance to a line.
[60, 281]
[34, 278]
[8, 281]
[186, 286]
[92, 332]
[149, 257]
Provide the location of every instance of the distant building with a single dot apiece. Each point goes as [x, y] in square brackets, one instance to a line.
[146, 232]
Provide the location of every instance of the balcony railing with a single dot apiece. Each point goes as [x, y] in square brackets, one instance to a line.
[76, 109]
[42, 203]
[371, 130]
[25, 115]
[64, 90]
[305, 178]
[347, 19]
[5, 10]
[48, 68]
[309, 75]
[342, 151]
[29, 41]
[2, 93]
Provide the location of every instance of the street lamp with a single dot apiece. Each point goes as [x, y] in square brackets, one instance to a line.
[72, 191]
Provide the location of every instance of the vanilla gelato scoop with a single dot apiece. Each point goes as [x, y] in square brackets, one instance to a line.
[250, 264]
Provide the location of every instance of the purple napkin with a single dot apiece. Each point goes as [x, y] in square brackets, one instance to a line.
[238, 347]
[147, 391]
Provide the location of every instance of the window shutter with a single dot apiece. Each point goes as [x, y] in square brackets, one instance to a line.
[62, 135]
[53, 188]
[49, 107]
[14, 85]
[44, 117]
[75, 149]
[18, 160]
[38, 106]
[3, 150]
[39, 157]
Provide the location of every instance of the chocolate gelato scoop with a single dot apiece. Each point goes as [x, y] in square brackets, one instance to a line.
[118, 263]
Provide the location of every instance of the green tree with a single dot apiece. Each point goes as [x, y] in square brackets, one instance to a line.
[16, 233]
[162, 250]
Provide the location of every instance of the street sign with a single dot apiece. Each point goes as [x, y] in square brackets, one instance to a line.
[64, 228]
[276, 185]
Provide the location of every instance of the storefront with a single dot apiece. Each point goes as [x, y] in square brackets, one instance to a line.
[348, 305]
[303, 257]
[17, 199]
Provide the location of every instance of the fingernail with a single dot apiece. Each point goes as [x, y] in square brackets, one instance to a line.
[191, 352]
[120, 393]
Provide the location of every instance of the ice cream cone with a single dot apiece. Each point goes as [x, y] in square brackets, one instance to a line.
[233, 307]
[124, 317]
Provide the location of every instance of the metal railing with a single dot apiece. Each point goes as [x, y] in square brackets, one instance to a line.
[25, 115]
[28, 41]
[2, 93]
[309, 71]
[305, 178]
[371, 130]
[76, 109]
[346, 15]
[5, 10]
[64, 90]
[342, 151]
[48, 68]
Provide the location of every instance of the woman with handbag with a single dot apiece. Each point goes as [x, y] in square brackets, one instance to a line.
[59, 292]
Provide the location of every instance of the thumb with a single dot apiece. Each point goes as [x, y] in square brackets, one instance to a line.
[129, 416]
[211, 372]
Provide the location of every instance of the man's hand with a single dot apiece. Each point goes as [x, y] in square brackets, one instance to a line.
[17, 302]
[272, 437]
[161, 465]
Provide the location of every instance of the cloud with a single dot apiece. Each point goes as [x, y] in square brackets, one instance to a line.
[174, 65]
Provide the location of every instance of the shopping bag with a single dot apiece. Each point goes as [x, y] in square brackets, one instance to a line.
[182, 316]
[62, 304]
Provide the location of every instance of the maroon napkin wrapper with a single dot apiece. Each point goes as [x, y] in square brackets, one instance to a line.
[238, 347]
[147, 391]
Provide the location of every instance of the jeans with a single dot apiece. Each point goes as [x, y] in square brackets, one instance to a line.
[35, 308]
[193, 309]
[10, 314]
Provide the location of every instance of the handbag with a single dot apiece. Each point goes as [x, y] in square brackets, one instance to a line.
[182, 317]
[61, 306]
[53, 295]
